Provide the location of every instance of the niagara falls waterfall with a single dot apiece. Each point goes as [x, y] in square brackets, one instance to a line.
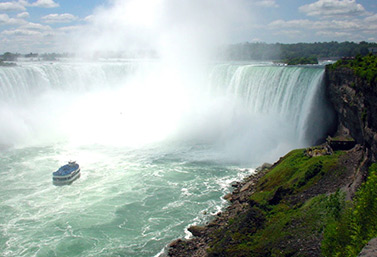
[249, 111]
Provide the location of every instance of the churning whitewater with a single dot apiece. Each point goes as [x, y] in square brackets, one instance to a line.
[157, 148]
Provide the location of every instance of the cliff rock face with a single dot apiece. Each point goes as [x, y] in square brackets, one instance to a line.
[355, 102]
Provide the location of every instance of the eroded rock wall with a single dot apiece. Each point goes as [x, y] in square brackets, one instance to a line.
[355, 102]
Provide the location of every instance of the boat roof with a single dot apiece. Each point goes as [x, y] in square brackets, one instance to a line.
[66, 169]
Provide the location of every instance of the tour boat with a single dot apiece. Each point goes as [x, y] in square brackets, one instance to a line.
[66, 174]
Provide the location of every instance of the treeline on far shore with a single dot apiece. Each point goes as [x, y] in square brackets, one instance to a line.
[299, 53]
[11, 57]
[278, 51]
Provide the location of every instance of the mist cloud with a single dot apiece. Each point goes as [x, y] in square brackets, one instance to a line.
[193, 26]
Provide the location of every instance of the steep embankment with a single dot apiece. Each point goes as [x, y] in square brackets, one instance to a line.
[354, 97]
[298, 206]
[281, 211]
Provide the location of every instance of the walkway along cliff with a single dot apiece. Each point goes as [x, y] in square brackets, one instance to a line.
[319, 201]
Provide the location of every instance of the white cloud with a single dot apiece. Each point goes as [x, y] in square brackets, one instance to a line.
[70, 28]
[45, 4]
[308, 24]
[266, 3]
[89, 18]
[372, 18]
[12, 6]
[290, 33]
[335, 34]
[343, 20]
[346, 24]
[26, 42]
[333, 8]
[23, 15]
[21, 5]
[59, 18]
[371, 29]
[354, 29]
[6, 20]
[290, 24]
[32, 32]
[36, 26]
[21, 32]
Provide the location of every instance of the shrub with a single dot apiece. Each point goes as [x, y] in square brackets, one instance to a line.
[364, 67]
[347, 232]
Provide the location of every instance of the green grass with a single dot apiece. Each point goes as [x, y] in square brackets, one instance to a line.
[297, 172]
[273, 222]
[286, 224]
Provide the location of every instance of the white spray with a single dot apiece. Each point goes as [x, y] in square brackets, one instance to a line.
[178, 96]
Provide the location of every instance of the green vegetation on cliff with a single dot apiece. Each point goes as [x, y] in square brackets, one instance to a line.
[364, 67]
[302, 60]
[347, 232]
[289, 210]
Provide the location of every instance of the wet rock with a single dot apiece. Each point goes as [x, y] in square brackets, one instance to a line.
[197, 230]
[175, 243]
[264, 166]
[246, 186]
[228, 197]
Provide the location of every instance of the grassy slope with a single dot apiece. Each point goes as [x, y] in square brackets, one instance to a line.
[284, 217]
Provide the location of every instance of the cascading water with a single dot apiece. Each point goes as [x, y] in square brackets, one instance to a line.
[288, 93]
[85, 102]
[157, 152]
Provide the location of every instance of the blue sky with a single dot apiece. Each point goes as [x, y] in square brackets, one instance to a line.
[43, 25]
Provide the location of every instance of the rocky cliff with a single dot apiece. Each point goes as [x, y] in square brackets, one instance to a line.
[355, 101]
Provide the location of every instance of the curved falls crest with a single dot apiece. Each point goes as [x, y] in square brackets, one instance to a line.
[239, 108]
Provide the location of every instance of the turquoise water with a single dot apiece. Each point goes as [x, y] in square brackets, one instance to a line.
[158, 148]
[128, 202]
